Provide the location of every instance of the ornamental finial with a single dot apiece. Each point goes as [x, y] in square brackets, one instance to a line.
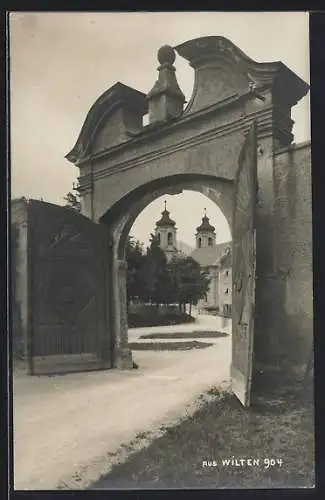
[165, 99]
[166, 55]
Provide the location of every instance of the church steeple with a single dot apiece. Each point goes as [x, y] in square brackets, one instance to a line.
[205, 233]
[166, 230]
[165, 220]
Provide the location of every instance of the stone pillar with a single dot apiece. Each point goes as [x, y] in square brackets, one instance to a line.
[123, 355]
[266, 349]
[165, 100]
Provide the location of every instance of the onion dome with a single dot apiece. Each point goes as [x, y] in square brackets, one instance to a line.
[165, 219]
[205, 224]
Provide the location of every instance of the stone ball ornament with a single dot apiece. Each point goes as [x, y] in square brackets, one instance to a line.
[166, 55]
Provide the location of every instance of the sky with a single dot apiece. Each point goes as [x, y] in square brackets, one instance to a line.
[60, 63]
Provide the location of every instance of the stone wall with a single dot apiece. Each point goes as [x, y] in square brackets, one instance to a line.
[19, 277]
[293, 251]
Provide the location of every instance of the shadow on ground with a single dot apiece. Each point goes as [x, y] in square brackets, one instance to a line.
[273, 432]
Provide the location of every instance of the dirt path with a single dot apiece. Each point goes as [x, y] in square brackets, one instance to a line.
[67, 427]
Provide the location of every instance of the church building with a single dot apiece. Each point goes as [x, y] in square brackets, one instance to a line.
[215, 258]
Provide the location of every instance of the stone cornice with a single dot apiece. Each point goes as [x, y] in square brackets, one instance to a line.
[151, 133]
[154, 132]
[293, 147]
[286, 89]
[264, 129]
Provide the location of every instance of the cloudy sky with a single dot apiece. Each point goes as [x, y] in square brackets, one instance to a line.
[62, 62]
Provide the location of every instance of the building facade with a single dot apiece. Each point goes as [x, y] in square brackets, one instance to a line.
[224, 269]
[215, 259]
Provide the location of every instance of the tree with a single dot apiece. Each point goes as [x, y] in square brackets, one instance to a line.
[135, 260]
[156, 274]
[151, 279]
[72, 198]
[190, 283]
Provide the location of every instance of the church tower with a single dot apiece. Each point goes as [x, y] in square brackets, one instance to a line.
[205, 233]
[165, 230]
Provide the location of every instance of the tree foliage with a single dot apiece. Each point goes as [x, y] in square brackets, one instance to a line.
[190, 283]
[152, 279]
[135, 260]
[156, 274]
[72, 198]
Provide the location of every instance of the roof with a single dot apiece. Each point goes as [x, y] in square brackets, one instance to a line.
[210, 255]
[225, 260]
[184, 248]
[205, 225]
[165, 220]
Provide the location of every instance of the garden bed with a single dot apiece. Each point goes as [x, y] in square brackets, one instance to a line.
[185, 335]
[167, 346]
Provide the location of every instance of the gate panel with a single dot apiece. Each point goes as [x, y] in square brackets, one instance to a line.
[68, 291]
[244, 265]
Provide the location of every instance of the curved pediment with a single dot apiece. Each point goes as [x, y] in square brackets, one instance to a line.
[222, 70]
[107, 123]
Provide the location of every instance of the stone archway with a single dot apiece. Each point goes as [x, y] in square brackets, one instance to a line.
[120, 160]
[119, 220]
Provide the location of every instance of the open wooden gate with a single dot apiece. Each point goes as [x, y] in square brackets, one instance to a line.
[68, 323]
[244, 265]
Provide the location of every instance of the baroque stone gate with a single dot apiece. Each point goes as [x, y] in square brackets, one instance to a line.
[125, 165]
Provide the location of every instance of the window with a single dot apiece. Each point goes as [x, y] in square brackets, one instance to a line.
[170, 238]
[159, 238]
[210, 242]
[227, 291]
[199, 242]
[226, 273]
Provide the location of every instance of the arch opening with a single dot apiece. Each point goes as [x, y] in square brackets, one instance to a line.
[216, 302]
[120, 218]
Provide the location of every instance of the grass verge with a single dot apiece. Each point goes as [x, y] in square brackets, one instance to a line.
[167, 346]
[185, 335]
[278, 427]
